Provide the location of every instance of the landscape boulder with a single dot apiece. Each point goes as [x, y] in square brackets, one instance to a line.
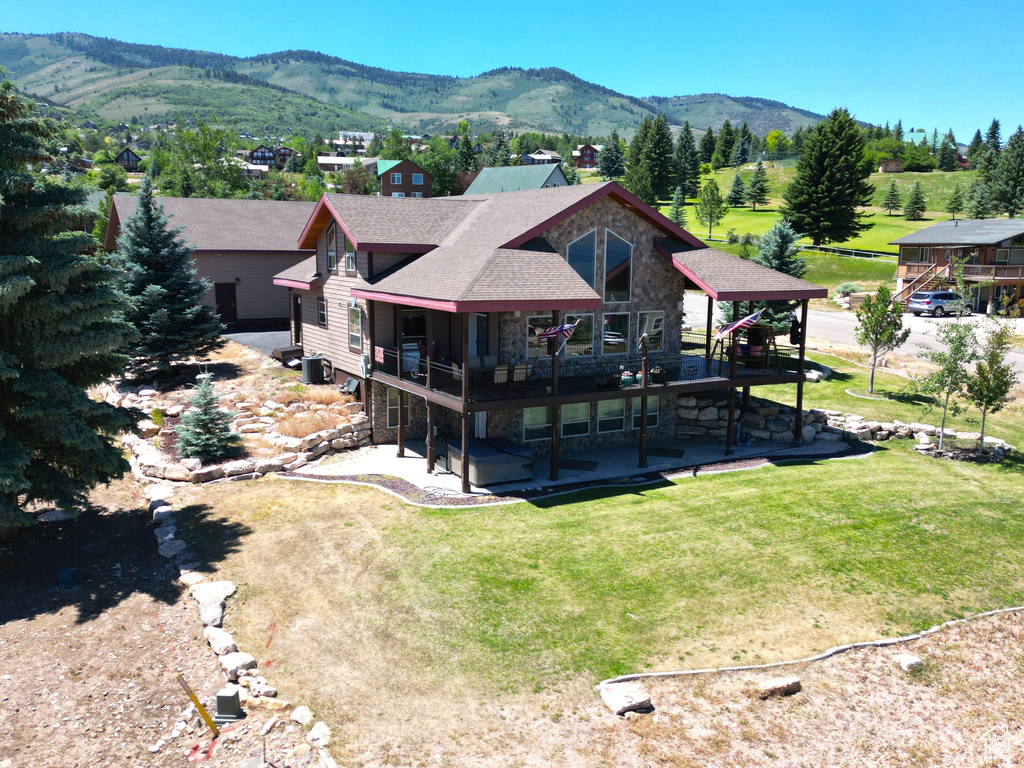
[778, 686]
[625, 697]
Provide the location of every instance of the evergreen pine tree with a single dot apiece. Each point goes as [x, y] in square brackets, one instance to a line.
[757, 191]
[897, 132]
[374, 147]
[725, 141]
[893, 201]
[956, 201]
[294, 163]
[985, 161]
[159, 281]
[992, 139]
[659, 157]
[778, 250]
[976, 143]
[638, 146]
[706, 146]
[947, 156]
[710, 208]
[677, 211]
[465, 160]
[740, 153]
[688, 162]
[737, 192]
[978, 204]
[610, 162]
[569, 170]
[830, 183]
[914, 208]
[99, 229]
[498, 154]
[638, 181]
[1007, 187]
[61, 332]
[934, 146]
[205, 430]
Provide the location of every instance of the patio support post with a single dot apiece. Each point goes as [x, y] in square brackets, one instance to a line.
[431, 457]
[401, 423]
[643, 409]
[465, 400]
[746, 390]
[556, 410]
[398, 326]
[799, 427]
[730, 429]
[707, 334]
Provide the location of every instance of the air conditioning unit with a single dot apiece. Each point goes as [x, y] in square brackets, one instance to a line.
[313, 369]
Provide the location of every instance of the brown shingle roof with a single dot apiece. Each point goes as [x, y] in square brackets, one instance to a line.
[224, 225]
[725, 277]
[301, 275]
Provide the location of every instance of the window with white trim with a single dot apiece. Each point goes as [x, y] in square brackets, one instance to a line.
[417, 194]
[350, 255]
[653, 404]
[616, 333]
[417, 179]
[398, 194]
[537, 423]
[535, 325]
[575, 419]
[332, 247]
[321, 311]
[653, 324]
[393, 401]
[611, 416]
[396, 178]
[355, 328]
[582, 256]
[618, 267]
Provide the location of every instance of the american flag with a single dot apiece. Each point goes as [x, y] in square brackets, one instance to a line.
[739, 325]
[565, 330]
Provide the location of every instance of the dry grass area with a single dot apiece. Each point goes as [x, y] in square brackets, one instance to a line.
[342, 618]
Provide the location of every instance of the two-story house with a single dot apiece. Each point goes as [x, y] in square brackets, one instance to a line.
[991, 250]
[440, 308]
[403, 178]
[585, 155]
[263, 155]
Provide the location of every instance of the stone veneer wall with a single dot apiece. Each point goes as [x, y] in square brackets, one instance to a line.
[416, 429]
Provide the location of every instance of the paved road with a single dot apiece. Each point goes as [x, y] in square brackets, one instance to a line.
[838, 327]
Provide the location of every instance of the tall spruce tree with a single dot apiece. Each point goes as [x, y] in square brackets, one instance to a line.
[893, 201]
[610, 162]
[498, 154]
[638, 181]
[687, 162]
[465, 159]
[677, 211]
[569, 170]
[737, 192]
[757, 191]
[777, 250]
[725, 141]
[978, 204]
[638, 146]
[659, 157]
[914, 208]
[976, 143]
[159, 279]
[956, 201]
[706, 145]
[61, 331]
[992, 138]
[831, 182]
[1007, 186]
[947, 156]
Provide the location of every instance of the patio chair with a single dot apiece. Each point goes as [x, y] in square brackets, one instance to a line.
[519, 376]
[500, 376]
[490, 362]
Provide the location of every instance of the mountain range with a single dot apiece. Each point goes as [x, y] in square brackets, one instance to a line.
[306, 91]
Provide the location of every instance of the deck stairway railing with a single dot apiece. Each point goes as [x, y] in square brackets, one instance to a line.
[931, 277]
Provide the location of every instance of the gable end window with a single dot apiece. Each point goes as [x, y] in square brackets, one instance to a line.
[618, 267]
[321, 311]
[417, 179]
[350, 257]
[582, 256]
[332, 247]
[396, 178]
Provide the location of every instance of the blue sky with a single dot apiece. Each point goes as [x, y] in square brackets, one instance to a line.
[931, 64]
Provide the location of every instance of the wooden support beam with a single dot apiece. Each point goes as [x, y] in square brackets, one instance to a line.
[465, 399]
[643, 410]
[464, 459]
[799, 427]
[556, 409]
[431, 456]
[707, 333]
[730, 429]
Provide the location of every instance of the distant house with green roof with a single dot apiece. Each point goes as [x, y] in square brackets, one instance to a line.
[513, 178]
[403, 178]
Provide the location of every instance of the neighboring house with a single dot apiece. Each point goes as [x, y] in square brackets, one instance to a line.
[334, 164]
[281, 156]
[434, 307]
[542, 157]
[513, 178]
[88, 124]
[263, 155]
[890, 166]
[992, 251]
[585, 155]
[256, 171]
[128, 160]
[403, 178]
[239, 246]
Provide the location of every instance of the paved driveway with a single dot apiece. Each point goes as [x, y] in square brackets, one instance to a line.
[264, 341]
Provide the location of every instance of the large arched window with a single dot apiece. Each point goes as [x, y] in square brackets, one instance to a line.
[582, 256]
[618, 267]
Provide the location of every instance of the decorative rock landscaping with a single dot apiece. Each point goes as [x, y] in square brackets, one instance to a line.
[254, 421]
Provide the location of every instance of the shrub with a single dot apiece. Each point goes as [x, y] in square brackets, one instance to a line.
[325, 396]
[845, 289]
[157, 417]
[205, 430]
[304, 424]
[731, 237]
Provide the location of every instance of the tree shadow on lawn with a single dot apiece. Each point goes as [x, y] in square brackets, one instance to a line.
[114, 554]
[624, 489]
